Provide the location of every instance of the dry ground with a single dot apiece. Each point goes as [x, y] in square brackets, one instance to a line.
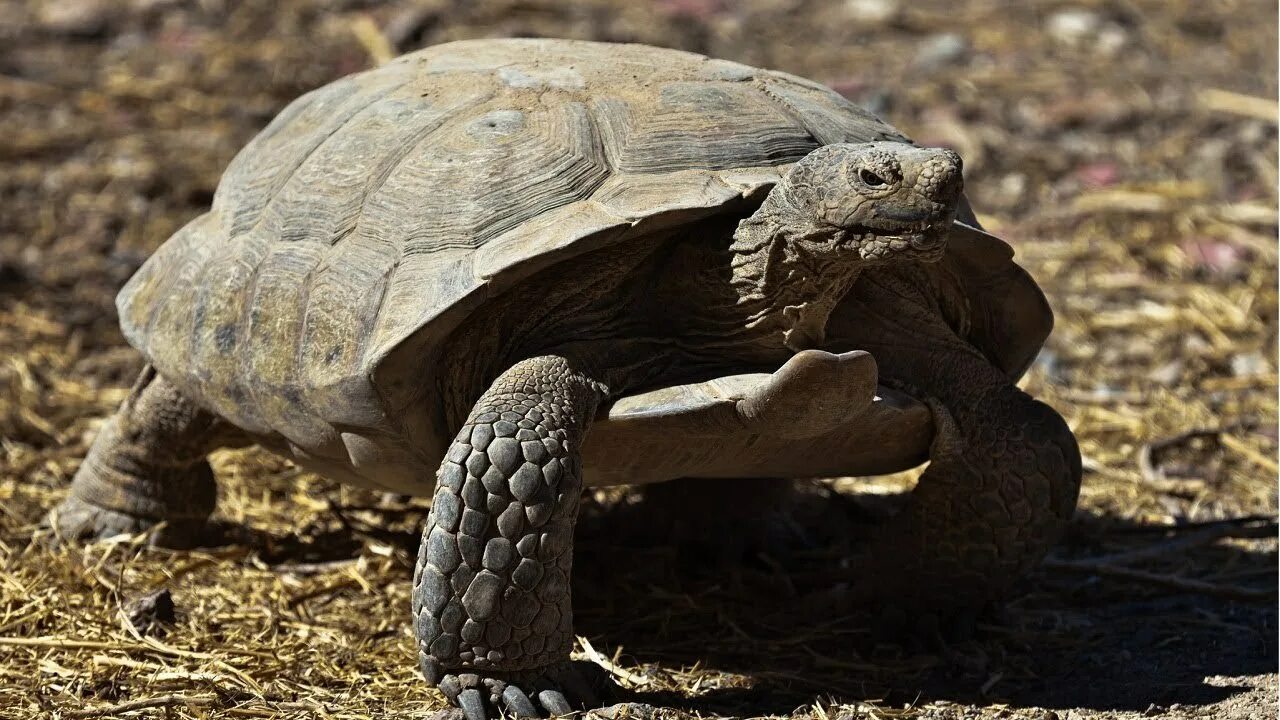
[1127, 148]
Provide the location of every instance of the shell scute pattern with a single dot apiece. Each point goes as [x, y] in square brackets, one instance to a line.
[363, 221]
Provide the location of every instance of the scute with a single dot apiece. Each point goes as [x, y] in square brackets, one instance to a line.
[373, 214]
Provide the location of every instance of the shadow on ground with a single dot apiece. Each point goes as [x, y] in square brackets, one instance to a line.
[765, 637]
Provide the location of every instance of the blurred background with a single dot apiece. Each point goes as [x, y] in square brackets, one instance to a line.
[1126, 148]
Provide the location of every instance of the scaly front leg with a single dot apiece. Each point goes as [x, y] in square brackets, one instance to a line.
[1004, 469]
[491, 596]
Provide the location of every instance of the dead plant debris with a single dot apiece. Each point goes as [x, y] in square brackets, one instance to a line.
[1126, 148]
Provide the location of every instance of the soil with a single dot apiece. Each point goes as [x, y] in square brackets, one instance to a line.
[1126, 148]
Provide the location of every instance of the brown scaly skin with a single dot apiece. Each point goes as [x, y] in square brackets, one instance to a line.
[1004, 469]
[146, 466]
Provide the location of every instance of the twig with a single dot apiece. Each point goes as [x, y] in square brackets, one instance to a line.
[1238, 104]
[1154, 474]
[1196, 524]
[1206, 534]
[610, 666]
[1233, 592]
[372, 39]
[143, 704]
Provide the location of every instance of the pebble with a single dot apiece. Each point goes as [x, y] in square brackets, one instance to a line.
[939, 51]
[1073, 27]
[872, 12]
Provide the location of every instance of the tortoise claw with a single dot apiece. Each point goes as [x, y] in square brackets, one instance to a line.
[553, 691]
[518, 703]
[472, 704]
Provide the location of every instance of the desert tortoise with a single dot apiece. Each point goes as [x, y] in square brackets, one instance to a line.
[435, 275]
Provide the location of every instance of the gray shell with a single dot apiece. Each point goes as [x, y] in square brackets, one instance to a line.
[375, 213]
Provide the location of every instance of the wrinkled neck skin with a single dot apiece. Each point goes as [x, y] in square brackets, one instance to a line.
[784, 294]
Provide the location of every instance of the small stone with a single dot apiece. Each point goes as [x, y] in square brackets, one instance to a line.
[1250, 364]
[481, 598]
[526, 482]
[505, 455]
[504, 428]
[942, 50]
[494, 656]
[553, 446]
[153, 613]
[872, 12]
[498, 554]
[526, 431]
[1073, 27]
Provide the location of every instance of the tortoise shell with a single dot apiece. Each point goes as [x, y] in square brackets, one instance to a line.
[373, 215]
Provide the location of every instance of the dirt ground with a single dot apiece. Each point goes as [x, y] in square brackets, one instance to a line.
[1127, 148]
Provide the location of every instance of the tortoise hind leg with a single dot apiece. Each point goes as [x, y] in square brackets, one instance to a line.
[147, 466]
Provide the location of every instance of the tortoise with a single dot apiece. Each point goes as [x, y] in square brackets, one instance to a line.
[502, 270]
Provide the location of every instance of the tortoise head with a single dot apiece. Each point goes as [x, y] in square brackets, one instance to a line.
[882, 201]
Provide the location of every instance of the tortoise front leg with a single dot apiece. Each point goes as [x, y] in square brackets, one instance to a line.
[1001, 485]
[1004, 469]
[491, 596]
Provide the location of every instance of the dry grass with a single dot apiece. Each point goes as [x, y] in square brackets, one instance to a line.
[1128, 153]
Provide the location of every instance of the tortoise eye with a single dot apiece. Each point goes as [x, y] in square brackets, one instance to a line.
[870, 179]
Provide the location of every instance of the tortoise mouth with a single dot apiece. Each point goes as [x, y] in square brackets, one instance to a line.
[925, 240]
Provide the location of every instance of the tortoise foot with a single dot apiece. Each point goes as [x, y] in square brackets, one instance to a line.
[552, 691]
[78, 521]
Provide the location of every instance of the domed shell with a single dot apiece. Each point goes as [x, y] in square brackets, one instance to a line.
[373, 214]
